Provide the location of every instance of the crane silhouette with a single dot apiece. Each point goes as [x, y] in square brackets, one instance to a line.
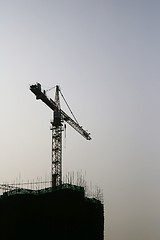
[57, 125]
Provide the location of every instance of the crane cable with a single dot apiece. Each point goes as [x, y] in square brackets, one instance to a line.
[64, 101]
[68, 107]
[50, 89]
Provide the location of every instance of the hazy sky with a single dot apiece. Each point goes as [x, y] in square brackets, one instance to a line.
[105, 55]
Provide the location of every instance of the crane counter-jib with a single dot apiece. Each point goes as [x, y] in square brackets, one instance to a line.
[36, 89]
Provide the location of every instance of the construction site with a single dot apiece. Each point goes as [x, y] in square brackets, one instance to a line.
[61, 208]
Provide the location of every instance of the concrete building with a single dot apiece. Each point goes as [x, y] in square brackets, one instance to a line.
[62, 213]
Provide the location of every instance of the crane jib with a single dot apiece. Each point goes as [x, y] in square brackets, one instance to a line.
[36, 89]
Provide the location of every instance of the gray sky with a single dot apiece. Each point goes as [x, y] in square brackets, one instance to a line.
[105, 55]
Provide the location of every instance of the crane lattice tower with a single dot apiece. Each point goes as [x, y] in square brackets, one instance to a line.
[59, 116]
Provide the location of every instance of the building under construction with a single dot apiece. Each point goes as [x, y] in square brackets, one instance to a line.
[60, 211]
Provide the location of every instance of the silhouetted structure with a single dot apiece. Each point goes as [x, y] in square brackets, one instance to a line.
[60, 213]
[59, 116]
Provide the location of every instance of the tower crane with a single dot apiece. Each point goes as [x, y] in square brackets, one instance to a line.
[59, 117]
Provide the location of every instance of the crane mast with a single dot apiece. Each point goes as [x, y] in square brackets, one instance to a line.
[56, 127]
[59, 116]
